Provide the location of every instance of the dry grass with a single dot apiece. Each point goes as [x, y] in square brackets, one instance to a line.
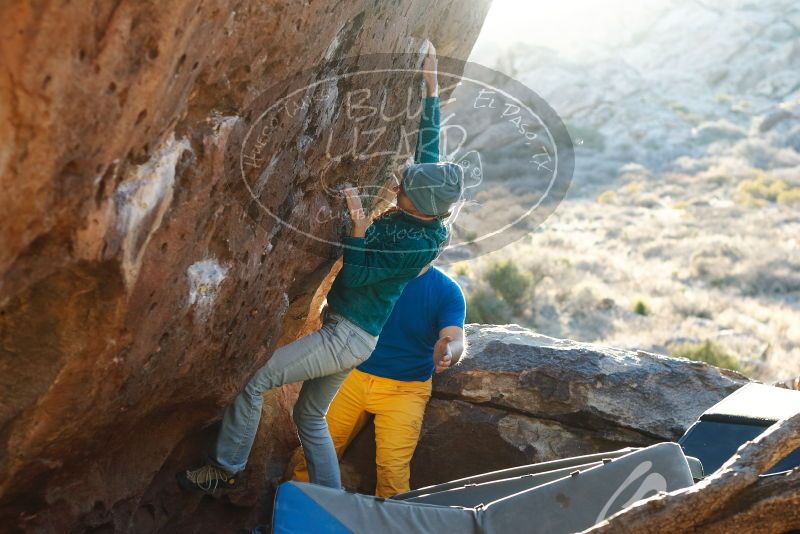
[657, 277]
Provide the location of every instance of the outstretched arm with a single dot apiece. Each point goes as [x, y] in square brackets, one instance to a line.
[430, 71]
[427, 148]
[451, 345]
[449, 348]
[428, 138]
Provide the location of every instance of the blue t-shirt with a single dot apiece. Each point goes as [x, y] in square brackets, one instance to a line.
[404, 351]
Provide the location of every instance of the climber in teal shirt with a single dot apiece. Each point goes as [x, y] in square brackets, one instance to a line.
[379, 259]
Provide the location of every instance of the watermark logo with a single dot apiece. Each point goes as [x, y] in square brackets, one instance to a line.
[360, 120]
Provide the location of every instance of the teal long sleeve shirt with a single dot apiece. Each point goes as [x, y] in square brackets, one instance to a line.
[393, 251]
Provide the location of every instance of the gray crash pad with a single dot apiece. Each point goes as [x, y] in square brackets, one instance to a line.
[568, 504]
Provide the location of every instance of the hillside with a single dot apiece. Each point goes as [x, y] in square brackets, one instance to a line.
[684, 200]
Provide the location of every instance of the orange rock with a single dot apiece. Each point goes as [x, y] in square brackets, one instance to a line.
[129, 256]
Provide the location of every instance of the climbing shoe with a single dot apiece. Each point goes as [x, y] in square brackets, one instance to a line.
[207, 479]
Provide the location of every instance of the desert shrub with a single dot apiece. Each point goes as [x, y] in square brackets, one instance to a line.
[762, 190]
[724, 98]
[692, 307]
[685, 113]
[648, 200]
[719, 282]
[742, 106]
[562, 262]
[607, 197]
[633, 188]
[466, 235]
[707, 351]
[776, 277]
[634, 172]
[790, 197]
[485, 307]
[640, 307]
[677, 107]
[511, 284]
[461, 268]
[592, 138]
[712, 131]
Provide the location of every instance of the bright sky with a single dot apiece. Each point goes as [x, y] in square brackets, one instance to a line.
[567, 26]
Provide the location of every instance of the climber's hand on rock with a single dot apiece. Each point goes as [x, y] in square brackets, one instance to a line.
[442, 354]
[385, 195]
[357, 215]
[429, 71]
[393, 181]
[392, 185]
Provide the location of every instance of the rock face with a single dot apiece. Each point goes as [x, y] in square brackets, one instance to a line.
[138, 286]
[518, 397]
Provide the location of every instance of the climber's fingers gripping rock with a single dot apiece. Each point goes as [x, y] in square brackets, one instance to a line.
[429, 71]
[356, 210]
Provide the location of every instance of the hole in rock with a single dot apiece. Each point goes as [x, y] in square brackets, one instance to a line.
[152, 51]
[141, 116]
[181, 61]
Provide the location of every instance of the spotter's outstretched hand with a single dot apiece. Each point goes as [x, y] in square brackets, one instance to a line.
[442, 354]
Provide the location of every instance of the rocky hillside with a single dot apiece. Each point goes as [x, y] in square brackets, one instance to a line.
[680, 224]
[698, 73]
[139, 284]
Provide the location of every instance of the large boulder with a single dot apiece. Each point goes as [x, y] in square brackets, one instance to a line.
[519, 397]
[140, 283]
[580, 384]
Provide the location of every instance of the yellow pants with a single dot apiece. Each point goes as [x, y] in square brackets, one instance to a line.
[398, 408]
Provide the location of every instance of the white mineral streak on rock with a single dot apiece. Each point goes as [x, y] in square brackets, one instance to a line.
[477, 395]
[204, 280]
[141, 200]
[518, 432]
[328, 110]
[223, 124]
[304, 142]
[332, 47]
[263, 178]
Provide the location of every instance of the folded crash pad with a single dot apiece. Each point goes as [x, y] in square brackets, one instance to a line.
[472, 495]
[568, 504]
[738, 418]
[528, 469]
